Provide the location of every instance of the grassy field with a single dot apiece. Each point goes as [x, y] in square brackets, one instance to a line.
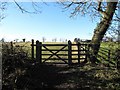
[27, 48]
[108, 52]
[110, 45]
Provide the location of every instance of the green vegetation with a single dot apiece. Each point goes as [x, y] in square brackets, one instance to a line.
[110, 45]
[20, 72]
[108, 53]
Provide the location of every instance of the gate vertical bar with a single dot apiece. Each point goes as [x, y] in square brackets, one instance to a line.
[78, 52]
[69, 52]
[32, 51]
[86, 51]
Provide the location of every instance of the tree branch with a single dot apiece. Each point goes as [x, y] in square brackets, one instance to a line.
[117, 17]
[24, 10]
[79, 2]
[2, 9]
[103, 13]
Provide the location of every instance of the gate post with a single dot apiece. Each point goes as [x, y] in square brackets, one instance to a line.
[38, 51]
[69, 52]
[32, 51]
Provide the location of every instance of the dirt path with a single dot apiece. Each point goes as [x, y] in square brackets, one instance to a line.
[61, 76]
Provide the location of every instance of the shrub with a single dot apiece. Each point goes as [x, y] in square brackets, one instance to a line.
[13, 61]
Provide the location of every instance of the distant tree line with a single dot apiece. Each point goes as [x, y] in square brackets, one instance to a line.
[55, 40]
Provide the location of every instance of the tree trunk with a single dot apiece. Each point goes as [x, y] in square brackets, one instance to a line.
[101, 29]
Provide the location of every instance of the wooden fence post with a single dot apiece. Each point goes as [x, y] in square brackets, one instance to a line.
[69, 52]
[109, 56]
[78, 52]
[11, 44]
[38, 51]
[32, 51]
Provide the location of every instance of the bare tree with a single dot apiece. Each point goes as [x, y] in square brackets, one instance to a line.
[2, 40]
[104, 10]
[43, 39]
[23, 39]
[16, 40]
[54, 40]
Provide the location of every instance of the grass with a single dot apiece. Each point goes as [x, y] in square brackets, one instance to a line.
[108, 53]
[30, 76]
[108, 45]
[27, 48]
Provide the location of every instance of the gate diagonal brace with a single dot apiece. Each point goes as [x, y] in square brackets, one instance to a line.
[54, 54]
